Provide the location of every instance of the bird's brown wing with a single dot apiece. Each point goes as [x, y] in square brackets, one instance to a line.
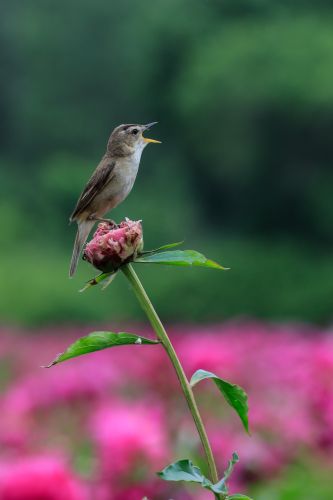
[97, 181]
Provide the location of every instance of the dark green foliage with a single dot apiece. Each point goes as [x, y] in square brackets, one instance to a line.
[243, 93]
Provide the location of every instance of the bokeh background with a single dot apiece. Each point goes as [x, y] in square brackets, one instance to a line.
[243, 92]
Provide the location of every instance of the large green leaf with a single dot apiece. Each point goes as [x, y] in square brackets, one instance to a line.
[97, 341]
[234, 394]
[179, 258]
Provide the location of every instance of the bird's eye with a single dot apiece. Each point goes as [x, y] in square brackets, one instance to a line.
[135, 131]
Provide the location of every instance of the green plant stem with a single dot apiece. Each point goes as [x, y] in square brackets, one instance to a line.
[155, 321]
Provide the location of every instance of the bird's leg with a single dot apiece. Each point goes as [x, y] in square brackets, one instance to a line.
[101, 219]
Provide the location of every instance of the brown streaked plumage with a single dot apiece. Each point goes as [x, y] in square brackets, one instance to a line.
[111, 182]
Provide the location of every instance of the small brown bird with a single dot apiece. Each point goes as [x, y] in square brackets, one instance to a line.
[111, 182]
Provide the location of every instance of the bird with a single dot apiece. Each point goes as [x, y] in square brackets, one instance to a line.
[111, 182]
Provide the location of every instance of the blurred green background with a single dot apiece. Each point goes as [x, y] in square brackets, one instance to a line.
[243, 92]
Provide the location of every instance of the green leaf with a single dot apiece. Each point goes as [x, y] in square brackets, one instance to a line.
[221, 486]
[238, 496]
[179, 258]
[163, 247]
[97, 341]
[234, 394]
[183, 470]
[229, 469]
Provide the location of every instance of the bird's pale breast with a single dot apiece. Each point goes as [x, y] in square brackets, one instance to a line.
[117, 189]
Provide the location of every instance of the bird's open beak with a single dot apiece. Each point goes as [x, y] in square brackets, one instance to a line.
[147, 127]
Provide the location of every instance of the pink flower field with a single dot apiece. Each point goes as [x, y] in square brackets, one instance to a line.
[99, 427]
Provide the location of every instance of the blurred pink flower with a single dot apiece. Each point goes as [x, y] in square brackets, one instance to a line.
[287, 371]
[68, 383]
[201, 351]
[130, 437]
[15, 430]
[39, 478]
[138, 492]
[110, 247]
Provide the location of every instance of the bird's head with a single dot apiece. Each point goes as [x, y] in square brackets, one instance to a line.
[128, 139]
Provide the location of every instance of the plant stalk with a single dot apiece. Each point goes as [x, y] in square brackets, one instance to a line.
[157, 325]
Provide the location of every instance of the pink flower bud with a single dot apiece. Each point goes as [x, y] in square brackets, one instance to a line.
[111, 247]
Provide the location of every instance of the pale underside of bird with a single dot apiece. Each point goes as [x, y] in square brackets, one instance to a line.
[110, 183]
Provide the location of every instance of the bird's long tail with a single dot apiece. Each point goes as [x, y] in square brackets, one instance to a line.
[83, 230]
